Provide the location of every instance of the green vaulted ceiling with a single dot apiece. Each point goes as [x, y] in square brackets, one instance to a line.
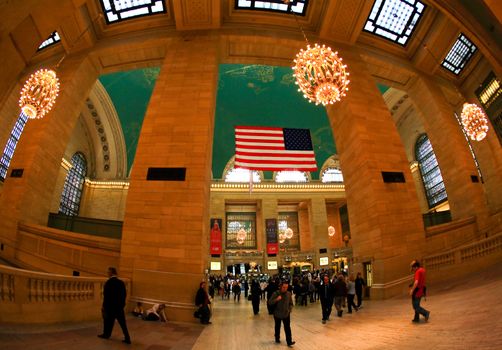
[247, 95]
[130, 93]
[264, 96]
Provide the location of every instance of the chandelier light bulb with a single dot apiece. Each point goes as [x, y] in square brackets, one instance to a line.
[474, 121]
[288, 233]
[320, 75]
[39, 93]
[331, 231]
[241, 236]
[282, 238]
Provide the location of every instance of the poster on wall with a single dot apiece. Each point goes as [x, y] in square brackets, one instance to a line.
[271, 231]
[215, 236]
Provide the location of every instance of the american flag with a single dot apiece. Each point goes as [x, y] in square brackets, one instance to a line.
[271, 148]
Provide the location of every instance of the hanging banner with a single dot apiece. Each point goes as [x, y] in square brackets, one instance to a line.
[215, 236]
[271, 231]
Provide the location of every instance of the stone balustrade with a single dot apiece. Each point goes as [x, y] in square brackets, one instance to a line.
[58, 251]
[466, 253]
[38, 297]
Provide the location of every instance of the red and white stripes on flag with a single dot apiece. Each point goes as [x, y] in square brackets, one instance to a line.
[272, 148]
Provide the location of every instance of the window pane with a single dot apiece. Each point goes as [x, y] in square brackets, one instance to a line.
[74, 183]
[459, 55]
[291, 176]
[299, 7]
[236, 222]
[10, 147]
[431, 174]
[332, 175]
[241, 175]
[51, 40]
[119, 10]
[394, 19]
[285, 221]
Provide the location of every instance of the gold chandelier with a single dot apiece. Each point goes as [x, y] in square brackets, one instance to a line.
[320, 74]
[474, 121]
[331, 231]
[241, 236]
[39, 93]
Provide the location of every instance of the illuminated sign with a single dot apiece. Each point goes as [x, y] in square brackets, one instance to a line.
[323, 261]
[215, 266]
[272, 265]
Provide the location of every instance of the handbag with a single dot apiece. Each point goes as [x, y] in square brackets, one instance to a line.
[196, 313]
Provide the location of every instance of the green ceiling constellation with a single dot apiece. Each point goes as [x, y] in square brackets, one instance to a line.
[130, 93]
[264, 96]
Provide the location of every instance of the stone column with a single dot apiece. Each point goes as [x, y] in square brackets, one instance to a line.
[385, 219]
[268, 211]
[217, 210]
[40, 150]
[318, 217]
[165, 234]
[466, 198]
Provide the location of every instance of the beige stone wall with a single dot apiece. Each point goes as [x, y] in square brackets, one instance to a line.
[103, 203]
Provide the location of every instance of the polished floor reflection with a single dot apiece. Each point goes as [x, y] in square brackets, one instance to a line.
[464, 315]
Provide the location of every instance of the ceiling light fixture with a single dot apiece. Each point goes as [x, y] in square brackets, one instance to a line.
[319, 72]
[42, 87]
[474, 121]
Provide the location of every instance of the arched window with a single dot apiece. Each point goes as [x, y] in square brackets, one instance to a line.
[74, 183]
[429, 169]
[10, 147]
[291, 176]
[241, 175]
[332, 175]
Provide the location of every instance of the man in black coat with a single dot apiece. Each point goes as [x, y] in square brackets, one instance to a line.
[326, 295]
[114, 297]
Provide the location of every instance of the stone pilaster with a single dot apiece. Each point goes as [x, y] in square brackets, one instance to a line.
[319, 227]
[385, 219]
[268, 211]
[165, 235]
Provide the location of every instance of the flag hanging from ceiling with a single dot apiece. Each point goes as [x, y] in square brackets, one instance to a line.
[271, 148]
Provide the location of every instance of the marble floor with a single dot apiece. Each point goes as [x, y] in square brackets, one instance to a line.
[464, 315]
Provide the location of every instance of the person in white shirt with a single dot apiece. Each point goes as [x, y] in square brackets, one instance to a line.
[156, 313]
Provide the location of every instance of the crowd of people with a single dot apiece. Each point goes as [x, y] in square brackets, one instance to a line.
[281, 294]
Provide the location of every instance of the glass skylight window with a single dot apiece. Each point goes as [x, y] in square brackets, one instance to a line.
[394, 19]
[299, 7]
[489, 91]
[459, 55]
[291, 176]
[331, 175]
[241, 175]
[119, 10]
[51, 40]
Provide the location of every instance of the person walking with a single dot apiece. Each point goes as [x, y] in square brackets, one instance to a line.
[360, 283]
[255, 296]
[340, 292]
[202, 301]
[351, 293]
[282, 301]
[417, 291]
[326, 296]
[272, 286]
[114, 298]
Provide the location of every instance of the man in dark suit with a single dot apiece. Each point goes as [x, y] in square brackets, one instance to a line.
[326, 296]
[114, 297]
